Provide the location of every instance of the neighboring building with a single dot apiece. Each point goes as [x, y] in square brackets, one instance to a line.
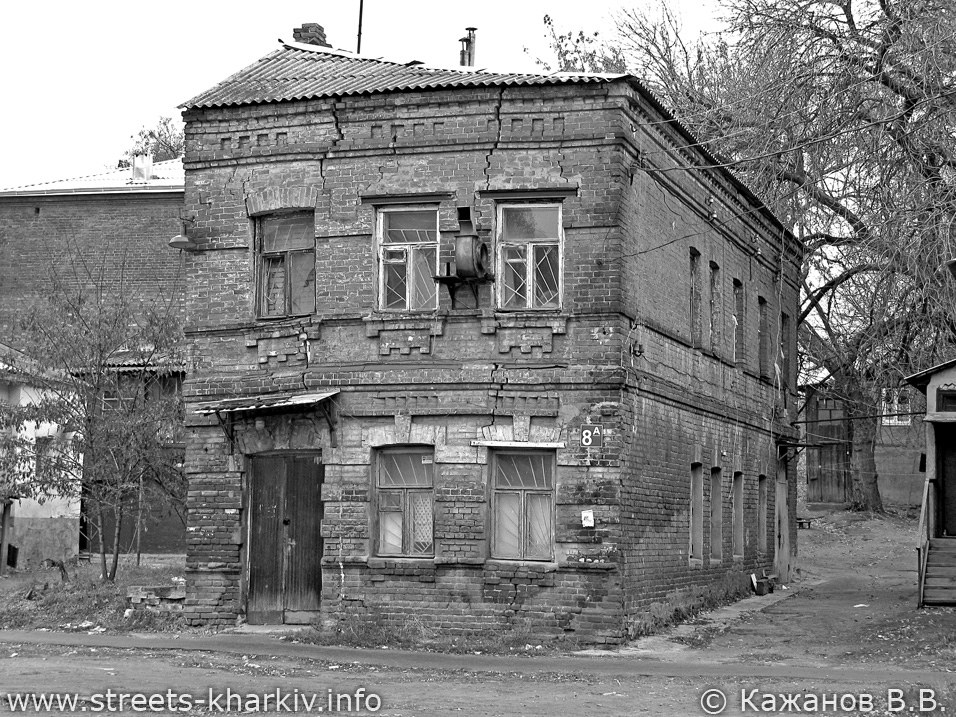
[937, 525]
[35, 529]
[121, 220]
[899, 451]
[376, 427]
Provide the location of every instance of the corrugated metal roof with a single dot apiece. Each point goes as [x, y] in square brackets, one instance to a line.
[300, 72]
[166, 176]
[258, 403]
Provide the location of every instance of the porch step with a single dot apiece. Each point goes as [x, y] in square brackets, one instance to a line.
[939, 596]
[939, 581]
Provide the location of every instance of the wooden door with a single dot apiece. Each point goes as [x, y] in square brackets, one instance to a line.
[285, 545]
[946, 450]
[782, 514]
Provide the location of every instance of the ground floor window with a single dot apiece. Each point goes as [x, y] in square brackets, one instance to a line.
[405, 496]
[696, 511]
[523, 505]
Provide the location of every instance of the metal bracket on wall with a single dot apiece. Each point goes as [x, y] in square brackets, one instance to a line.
[331, 422]
[228, 426]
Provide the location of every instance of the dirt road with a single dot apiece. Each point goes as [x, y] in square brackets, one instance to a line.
[845, 635]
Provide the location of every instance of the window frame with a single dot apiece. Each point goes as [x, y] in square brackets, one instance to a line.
[695, 318]
[716, 310]
[716, 514]
[503, 243]
[764, 362]
[737, 515]
[740, 321]
[522, 556]
[695, 515]
[405, 507]
[763, 506]
[262, 257]
[890, 404]
[381, 246]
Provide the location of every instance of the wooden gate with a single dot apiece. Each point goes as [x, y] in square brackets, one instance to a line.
[828, 463]
[285, 543]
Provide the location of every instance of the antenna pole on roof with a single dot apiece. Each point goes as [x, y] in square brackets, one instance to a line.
[358, 45]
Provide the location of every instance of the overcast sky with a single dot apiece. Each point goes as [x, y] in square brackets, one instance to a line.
[80, 78]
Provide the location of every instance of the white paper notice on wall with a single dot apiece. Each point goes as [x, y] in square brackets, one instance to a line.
[587, 518]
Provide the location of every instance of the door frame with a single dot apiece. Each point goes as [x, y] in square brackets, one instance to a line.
[944, 433]
[246, 553]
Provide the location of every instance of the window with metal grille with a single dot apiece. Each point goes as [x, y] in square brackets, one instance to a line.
[405, 490]
[286, 246]
[408, 257]
[529, 246]
[523, 505]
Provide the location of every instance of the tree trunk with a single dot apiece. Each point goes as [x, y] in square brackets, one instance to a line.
[100, 523]
[865, 489]
[117, 528]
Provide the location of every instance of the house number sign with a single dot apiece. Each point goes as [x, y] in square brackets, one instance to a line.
[592, 435]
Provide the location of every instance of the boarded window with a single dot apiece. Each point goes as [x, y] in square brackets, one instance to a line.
[286, 246]
[405, 502]
[785, 362]
[696, 324]
[738, 514]
[740, 322]
[530, 253]
[716, 514]
[762, 514]
[408, 256]
[696, 511]
[763, 349]
[716, 308]
[523, 505]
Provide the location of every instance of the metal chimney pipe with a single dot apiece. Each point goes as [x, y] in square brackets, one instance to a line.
[468, 48]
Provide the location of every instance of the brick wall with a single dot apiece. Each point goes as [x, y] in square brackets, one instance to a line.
[617, 353]
[47, 236]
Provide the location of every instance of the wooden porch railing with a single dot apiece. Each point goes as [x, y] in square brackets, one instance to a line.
[925, 531]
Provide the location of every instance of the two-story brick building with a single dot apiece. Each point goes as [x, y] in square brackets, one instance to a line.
[484, 349]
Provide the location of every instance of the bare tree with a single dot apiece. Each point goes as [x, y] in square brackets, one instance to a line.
[106, 362]
[844, 115]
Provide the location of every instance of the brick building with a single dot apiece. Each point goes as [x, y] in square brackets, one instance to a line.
[483, 349]
[116, 225]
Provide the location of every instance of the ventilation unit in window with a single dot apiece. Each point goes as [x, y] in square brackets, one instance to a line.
[472, 258]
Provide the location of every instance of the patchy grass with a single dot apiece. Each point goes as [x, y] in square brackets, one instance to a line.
[39, 599]
[683, 605]
[921, 638]
[418, 634]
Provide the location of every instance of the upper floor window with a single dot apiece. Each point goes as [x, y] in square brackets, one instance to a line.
[696, 324]
[405, 495]
[286, 248]
[529, 253]
[895, 407]
[716, 308]
[408, 259]
[523, 505]
[763, 337]
[785, 364]
[740, 320]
